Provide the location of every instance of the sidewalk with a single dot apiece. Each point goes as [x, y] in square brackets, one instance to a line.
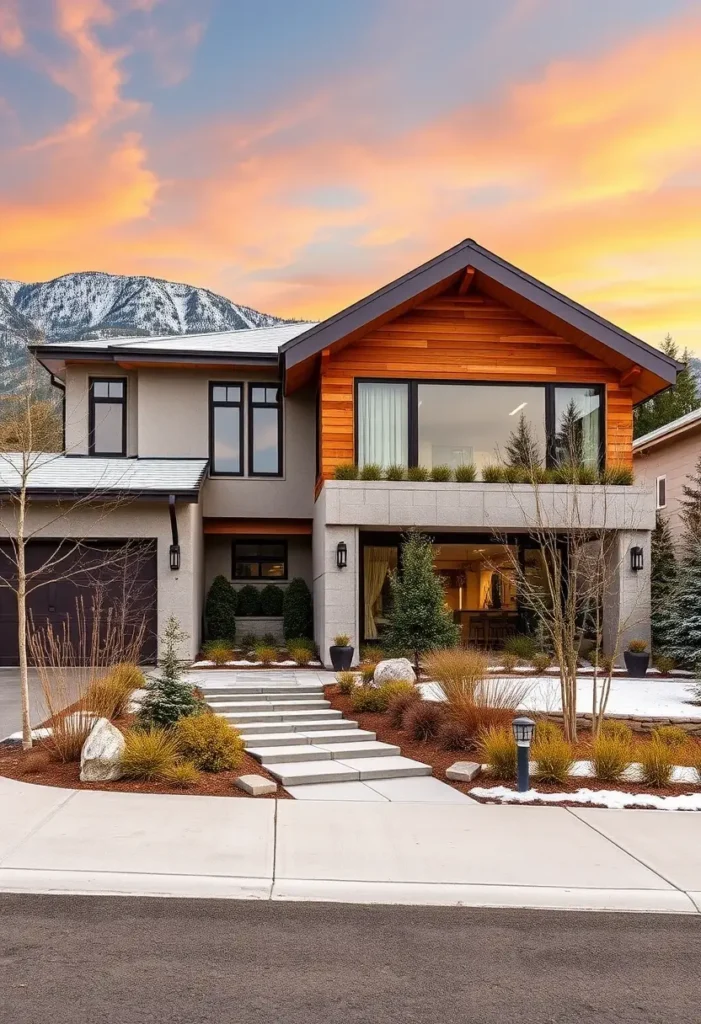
[64, 841]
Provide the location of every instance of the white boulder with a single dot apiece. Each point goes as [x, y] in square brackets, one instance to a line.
[394, 670]
[101, 756]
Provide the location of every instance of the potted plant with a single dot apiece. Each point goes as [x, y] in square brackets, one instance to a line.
[341, 653]
[637, 659]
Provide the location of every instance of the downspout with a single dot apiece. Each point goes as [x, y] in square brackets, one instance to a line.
[56, 382]
[174, 552]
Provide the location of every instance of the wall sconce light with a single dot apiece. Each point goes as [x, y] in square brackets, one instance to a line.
[636, 559]
[175, 557]
[341, 554]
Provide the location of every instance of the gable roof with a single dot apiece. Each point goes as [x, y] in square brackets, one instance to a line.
[385, 301]
[683, 424]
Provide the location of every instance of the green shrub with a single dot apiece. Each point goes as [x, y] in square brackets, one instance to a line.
[424, 719]
[395, 472]
[345, 682]
[664, 664]
[617, 475]
[466, 473]
[183, 774]
[587, 475]
[371, 471]
[509, 661]
[149, 753]
[345, 471]
[299, 653]
[517, 474]
[399, 704]
[218, 652]
[297, 610]
[247, 642]
[671, 735]
[209, 742]
[541, 661]
[271, 598]
[249, 600]
[611, 756]
[368, 699]
[565, 473]
[441, 474]
[220, 611]
[618, 730]
[418, 474]
[168, 698]
[554, 759]
[493, 474]
[656, 760]
[523, 646]
[266, 654]
[497, 749]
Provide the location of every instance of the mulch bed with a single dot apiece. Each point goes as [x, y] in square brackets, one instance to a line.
[429, 752]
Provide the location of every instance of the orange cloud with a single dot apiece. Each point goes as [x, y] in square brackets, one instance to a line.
[11, 34]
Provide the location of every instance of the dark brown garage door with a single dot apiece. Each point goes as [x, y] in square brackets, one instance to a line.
[91, 579]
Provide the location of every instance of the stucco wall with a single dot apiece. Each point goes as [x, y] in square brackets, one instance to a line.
[675, 460]
[77, 420]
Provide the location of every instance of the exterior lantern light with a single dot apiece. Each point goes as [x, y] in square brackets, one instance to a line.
[523, 729]
[341, 554]
[175, 557]
[636, 559]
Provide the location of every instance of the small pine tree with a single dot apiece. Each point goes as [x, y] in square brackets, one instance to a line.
[569, 442]
[297, 611]
[676, 401]
[522, 449]
[419, 621]
[169, 698]
[663, 582]
[690, 506]
[220, 611]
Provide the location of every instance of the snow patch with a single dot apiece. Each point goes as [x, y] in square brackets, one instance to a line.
[611, 798]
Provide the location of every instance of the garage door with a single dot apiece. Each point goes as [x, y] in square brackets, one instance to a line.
[118, 575]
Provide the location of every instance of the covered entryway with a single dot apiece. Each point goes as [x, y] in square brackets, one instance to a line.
[97, 575]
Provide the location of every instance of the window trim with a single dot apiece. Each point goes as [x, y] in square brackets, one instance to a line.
[225, 405]
[249, 420]
[259, 579]
[662, 478]
[94, 400]
[549, 387]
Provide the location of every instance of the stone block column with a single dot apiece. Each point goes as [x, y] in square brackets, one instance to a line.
[627, 603]
[336, 591]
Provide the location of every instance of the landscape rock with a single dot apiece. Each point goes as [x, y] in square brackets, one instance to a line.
[394, 670]
[256, 785]
[463, 771]
[101, 756]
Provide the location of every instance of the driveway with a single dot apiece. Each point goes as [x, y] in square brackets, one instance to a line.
[10, 702]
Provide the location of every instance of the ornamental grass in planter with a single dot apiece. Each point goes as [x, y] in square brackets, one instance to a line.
[466, 473]
[371, 471]
[395, 473]
[345, 471]
[672, 736]
[637, 659]
[441, 474]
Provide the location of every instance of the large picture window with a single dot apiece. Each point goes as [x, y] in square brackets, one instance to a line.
[383, 423]
[577, 427]
[226, 429]
[260, 560]
[107, 417]
[265, 430]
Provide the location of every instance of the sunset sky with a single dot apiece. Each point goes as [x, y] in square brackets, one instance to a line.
[296, 154]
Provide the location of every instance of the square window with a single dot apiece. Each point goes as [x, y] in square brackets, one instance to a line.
[260, 560]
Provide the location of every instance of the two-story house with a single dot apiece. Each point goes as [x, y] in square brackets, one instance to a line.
[225, 446]
[665, 459]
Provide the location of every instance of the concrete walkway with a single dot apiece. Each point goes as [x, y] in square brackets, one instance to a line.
[64, 841]
[10, 699]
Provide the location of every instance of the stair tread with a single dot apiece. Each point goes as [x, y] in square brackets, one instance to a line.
[366, 748]
[300, 773]
[385, 767]
[298, 725]
[289, 754]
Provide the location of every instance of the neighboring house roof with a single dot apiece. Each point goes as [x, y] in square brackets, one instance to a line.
[681, 425]
[64, 475]
[468, 253]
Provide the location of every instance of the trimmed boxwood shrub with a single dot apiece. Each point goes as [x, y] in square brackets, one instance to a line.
[249, 600]
[297, 610]
[271, 598]
[220, 611]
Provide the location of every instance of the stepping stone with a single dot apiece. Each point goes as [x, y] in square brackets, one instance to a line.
[288, 754]
[255, 785]
[304, 773]
[362, 749]
[385, 767]
[353, 792]
[463, 771]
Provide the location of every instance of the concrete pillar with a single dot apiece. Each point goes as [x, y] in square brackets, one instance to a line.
[335, 590]
[627, 602]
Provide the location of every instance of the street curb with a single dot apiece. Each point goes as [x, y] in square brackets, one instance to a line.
[113, 883]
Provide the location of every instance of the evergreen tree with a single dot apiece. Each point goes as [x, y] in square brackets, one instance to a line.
[663, 582]
[169, 698]
[419, 621]
[522, 449]
[681, 398]
[569, 440]
[297, 616]
[220, 611]
[690, 506]
[683, 627]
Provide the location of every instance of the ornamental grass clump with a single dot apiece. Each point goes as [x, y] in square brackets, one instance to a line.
[345, 682]
[367, 671]
[399, 704]
[554, 758]
[218, 652]
[209, 742]
[466, 473]
[693, 758]
[368, 699]
[611, 757]
[423, 720]
[617, 475]
[109, 697]
[441, 474]
[265, 654]
[182, 775]
[395, 472]
[456, 734]
[524, 647]
[509, 661]
[656, 760]
[418, 474]
[493, 474]
[345, 471]
[541, 661]
[371, 471]
[664, 664]
[149, 754]
[300, 653]
[621, 730]
[458, 670]
[546, 730]
[497, 749]
[671, 735]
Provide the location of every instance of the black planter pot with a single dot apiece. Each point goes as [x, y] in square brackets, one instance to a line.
[341, 658]
[636, 663]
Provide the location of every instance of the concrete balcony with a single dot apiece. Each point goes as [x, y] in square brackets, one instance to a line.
[484, 506]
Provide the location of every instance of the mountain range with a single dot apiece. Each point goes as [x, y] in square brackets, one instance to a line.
[91, 304]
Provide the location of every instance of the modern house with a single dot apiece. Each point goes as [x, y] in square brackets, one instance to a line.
[221, 449]
[664, 459]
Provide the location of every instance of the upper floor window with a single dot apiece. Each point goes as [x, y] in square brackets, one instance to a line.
[662, 492]
[264, 430]
[107, 417]
[226, 428]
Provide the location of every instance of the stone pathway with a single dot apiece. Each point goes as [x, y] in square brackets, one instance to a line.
[288, 725]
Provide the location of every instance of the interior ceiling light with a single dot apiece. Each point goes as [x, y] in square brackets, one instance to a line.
[518, 408]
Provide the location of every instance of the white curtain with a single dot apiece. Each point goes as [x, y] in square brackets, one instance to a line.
[377, 562]
[383, 424]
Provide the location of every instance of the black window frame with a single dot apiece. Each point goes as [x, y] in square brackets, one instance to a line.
[548, 386]
[218, 403]
[94, 400]
[249, 421]
[261, 560]
[662, 479]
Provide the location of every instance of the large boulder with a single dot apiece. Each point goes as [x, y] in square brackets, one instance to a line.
[101, 756]
[394, 670]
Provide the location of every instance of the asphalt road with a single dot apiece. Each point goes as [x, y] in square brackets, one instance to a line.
[136, 961]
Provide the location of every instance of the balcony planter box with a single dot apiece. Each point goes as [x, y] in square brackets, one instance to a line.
[341, 657]
[636, 663]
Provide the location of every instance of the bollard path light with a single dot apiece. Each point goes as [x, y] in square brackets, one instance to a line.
[523, 729]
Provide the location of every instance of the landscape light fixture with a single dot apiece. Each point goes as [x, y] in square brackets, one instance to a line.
[636, 559]
[523, 730]
[341, 554]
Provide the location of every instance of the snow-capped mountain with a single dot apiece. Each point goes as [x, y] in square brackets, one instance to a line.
[96, 305]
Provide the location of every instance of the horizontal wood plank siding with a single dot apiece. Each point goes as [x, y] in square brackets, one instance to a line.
[470, 337]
